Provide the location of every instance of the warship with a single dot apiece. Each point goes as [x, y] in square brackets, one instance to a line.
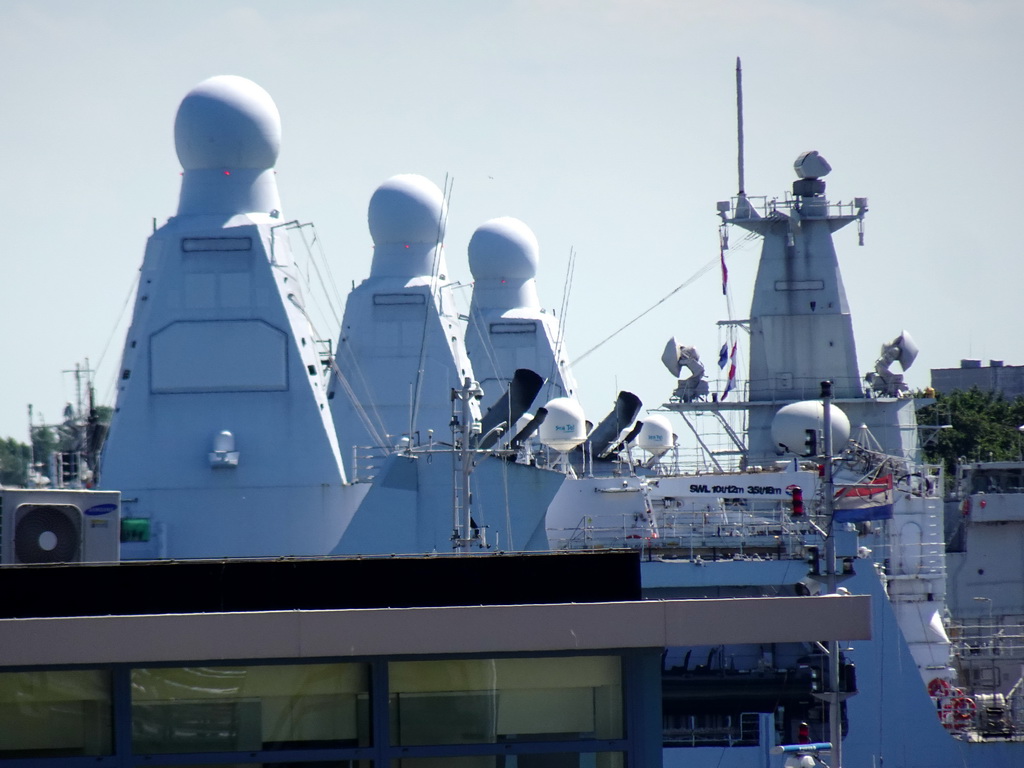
[242, 430]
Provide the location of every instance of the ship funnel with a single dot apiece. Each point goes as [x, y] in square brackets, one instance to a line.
[607, 435]
[519, 396]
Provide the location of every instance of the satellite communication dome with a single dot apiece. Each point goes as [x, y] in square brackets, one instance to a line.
[407, 208]
[503, 248]
[655, 435]
[565, 426]
[793, 422]
[227, 122]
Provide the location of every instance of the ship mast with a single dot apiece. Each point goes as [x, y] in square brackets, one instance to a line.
[739, 127]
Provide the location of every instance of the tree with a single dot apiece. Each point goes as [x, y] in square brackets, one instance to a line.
[13, 462]
[984, 428]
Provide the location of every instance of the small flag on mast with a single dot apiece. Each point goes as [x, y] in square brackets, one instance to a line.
[725, 270]
[732, 373]
[723, 355]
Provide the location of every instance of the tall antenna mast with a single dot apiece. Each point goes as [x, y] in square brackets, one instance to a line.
[739, 124]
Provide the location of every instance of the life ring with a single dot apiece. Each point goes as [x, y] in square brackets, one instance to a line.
[939, 688]
[964, 708]
[958, 713]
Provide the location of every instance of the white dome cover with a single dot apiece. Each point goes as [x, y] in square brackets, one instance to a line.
[407, 208]
[655, 435]
[227, 122]
[565, 426]
[791, 423]
[504, 248]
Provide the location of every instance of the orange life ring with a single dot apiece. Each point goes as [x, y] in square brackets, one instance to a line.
[939, 688]
[958, 712]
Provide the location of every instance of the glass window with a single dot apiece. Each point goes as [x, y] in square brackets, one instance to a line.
[542, 760]
[289, 764]
[217, 709]
[55, 713]
[473, 701]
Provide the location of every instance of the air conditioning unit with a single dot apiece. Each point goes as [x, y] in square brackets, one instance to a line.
[59, 526]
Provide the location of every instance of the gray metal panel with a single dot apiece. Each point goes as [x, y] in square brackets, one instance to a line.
[461, 630]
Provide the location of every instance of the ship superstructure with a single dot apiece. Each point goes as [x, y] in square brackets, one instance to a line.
[223, 403]
[508, 330]
[221, 440]
[402, 345]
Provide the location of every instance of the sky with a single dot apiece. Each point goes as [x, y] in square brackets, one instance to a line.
[608, 126]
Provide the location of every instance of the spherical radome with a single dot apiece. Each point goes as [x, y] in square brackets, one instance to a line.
[565, 426]
[655, 435]
[227, 122]
[407, 208]
[792, 422]
[504, 248]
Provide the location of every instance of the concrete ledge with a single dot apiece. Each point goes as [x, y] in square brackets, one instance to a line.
[459, 630]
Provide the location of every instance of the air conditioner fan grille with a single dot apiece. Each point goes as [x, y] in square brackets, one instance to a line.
[46, 534]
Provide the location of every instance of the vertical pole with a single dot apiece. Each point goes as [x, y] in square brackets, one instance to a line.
[31, 446]
[462, 467]
[467, 468]
[739, 124]
[835, 709]
[456, 496]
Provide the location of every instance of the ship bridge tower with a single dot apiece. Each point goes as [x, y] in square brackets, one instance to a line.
[800, 324]
[508, 329]
[801, 327]
[221, 442]
[402, 345]
[801, 330]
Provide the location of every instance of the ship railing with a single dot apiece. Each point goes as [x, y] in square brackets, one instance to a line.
[773, 536]
[768, 391]
[694, 731]
[988, 657]
[986, 640]
[587, 535]
[922, 561]
[768, 207]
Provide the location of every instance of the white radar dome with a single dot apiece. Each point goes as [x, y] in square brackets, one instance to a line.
[227, 122]
[565, 426]
[655, 435]
[407, 208]
[503, 248]
[792, 422]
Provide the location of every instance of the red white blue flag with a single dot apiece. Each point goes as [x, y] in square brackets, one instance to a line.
[864, 501]
[732, 373]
